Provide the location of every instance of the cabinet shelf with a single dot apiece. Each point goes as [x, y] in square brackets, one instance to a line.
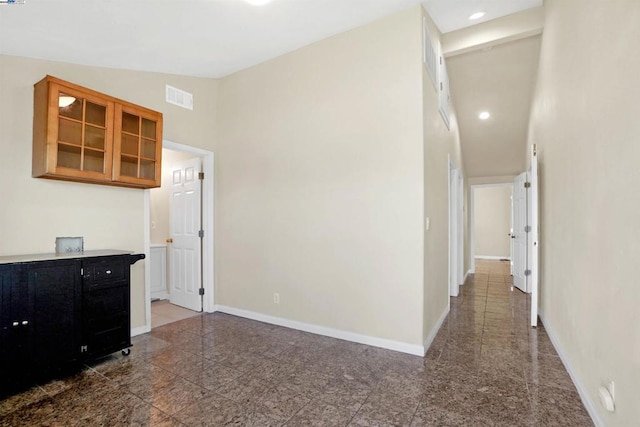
[83, 135]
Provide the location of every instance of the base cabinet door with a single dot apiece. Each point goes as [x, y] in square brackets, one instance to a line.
[39, 332]
[13, 336]
[54, 299]
[106, 321]
[106, 306]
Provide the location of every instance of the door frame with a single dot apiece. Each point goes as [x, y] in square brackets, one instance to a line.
[456, 263]
[472, 218]
[533, 212]
[208, 303]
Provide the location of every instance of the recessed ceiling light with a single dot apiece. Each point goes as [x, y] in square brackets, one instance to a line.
[257, 2]
[484, 115]
[477, 15]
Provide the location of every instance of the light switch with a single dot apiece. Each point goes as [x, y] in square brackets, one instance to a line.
[427, 223]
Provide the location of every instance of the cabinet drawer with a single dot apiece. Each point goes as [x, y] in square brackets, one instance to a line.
[104, 272]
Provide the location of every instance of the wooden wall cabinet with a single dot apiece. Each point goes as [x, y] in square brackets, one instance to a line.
[83, 135]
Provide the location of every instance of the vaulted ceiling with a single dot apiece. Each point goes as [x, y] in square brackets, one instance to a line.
[213, 38]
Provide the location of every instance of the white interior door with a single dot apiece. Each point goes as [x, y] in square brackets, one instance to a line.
[534, 235]
[511, 236]
[185, 226]
[519, 255]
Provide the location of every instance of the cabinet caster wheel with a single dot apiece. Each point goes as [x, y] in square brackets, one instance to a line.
[126, 352]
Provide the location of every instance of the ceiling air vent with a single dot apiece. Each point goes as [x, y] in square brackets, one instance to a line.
[179, 97]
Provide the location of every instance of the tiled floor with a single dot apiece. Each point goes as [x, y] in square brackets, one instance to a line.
[485, 368]
[163, 313]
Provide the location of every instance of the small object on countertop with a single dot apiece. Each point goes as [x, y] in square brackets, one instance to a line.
[69, 245]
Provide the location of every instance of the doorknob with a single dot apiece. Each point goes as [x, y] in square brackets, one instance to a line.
[169, 240]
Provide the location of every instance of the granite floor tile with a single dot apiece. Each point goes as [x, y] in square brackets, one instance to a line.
[346, 393]
[431, 416]
[557, 407]
[387, 408]
[176, 395]
[485, 367]
[319, 413]
[18, 401]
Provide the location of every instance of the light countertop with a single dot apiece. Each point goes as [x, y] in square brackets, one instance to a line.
[13, 259]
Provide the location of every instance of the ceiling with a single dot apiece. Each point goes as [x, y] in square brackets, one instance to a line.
[499, 80]
[207, 38]
[214, 38]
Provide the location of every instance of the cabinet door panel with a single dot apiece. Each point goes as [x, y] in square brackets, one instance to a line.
[13, 305]
[7, 280]
[137, 146]
[54, 296]
[106, 319]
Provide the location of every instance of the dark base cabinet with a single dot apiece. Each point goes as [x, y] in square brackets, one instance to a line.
[56, 313]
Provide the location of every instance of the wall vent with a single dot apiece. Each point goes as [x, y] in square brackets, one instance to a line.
[179, 97]
[430, 57]
[445, 94]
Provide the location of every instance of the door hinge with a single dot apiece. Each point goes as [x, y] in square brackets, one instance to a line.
[200, 175]
[527, 272]
[527, 228]
[527, 184]
[201, 234]
[201, 291]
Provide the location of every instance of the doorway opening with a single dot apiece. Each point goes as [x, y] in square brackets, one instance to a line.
[491, 221]
[178, 263]
[523, 232]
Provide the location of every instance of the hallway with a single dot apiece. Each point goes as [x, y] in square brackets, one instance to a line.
[485, 368]
[494, 368]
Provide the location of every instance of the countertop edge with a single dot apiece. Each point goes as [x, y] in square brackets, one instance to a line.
[17, 259]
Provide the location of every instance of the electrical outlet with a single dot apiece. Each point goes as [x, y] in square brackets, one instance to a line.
[607, 395]
[276, 298]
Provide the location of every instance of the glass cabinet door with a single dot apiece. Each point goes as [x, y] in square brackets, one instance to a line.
[138, 146]
[83, 134]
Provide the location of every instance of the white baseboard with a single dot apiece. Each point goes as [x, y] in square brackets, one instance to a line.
[162, 295]
[434, 331]
[402, 347]
[466, 276]
[586, 401]
[492, 257]
[140, 330]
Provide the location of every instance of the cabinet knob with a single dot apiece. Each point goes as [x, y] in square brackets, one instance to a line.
[15, 323]
[25, 322]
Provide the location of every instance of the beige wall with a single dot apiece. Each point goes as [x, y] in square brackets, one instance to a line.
[439, 143]
[492, 221]
[319, 183]
[585, 122]
[35, 211]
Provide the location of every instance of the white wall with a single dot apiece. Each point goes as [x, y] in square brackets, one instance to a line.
[34, 211]
[319, 185]
[439, 143]
[585, 122]
[492, 221]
